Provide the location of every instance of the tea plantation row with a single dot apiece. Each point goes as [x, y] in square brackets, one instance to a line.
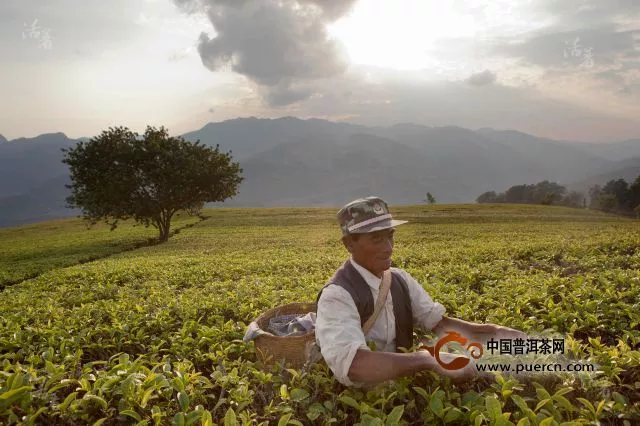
[153, 335]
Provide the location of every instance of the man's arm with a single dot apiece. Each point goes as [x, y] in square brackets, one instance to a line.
[343, 346]
[375, 367]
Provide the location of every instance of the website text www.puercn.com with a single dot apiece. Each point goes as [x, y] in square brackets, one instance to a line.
[536, 368]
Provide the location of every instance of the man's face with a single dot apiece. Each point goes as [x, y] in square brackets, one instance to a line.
[373, 250]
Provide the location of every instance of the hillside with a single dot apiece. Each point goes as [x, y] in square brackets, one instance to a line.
[28, 163]
[613, 151]
[154, 333]
[289, 161]
[29, 250]
[628, 169]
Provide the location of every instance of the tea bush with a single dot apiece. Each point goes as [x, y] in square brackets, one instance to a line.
[153, 335]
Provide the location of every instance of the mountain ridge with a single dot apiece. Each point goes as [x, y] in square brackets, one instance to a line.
[292, 161]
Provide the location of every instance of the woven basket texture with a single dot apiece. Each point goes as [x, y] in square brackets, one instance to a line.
[293, 349]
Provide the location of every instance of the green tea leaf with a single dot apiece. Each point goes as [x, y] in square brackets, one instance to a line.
[207, 419]
[299, 394]
[542, 404]
[588, 405]
[453, 415]
[436, 406]
[192, 417]
[131, 413]
[347, 400]
[315, 410]
[469, 398]
[423, 393]
[96, 399]
[563, 402]
[395, 415]
[284, 420]
[183, 399]
[494, 408]
[230, 418]
[146, 397]
[546, 422]
[178, 420]
[15, 394]
[284, 393]
[65, 404]
[369, 420]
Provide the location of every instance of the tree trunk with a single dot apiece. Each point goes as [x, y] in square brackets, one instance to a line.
[164, 235]
[164, 225]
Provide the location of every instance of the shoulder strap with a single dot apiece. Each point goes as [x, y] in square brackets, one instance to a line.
[382, 297]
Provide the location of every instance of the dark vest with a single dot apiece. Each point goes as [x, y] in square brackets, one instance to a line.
[350, 279]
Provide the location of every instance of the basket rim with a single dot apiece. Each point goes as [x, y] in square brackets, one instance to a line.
[306, 336]
[271, 313]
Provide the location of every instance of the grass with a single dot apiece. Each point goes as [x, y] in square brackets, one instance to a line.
[30, 250]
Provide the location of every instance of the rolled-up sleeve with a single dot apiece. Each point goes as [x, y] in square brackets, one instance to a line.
[338, 331]
[426, 313]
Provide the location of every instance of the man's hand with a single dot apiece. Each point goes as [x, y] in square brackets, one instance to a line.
[480, 333]
[459, 375]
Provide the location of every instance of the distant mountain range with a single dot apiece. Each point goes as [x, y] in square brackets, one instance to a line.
[294, 162]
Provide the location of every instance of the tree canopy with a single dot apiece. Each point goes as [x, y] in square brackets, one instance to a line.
[544, 192]
[617, 196]
[430, 198]
[119, 175]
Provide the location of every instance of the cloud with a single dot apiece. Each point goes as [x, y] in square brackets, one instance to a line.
[394, 97]
[533, 60]
[286, 94]
[181, 54]
[282, 47]
[332, 9]
[604, 45]
[483, 78]
[572, 15]
[596, 41]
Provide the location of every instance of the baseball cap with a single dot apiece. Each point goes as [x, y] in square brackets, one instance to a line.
[366, 215]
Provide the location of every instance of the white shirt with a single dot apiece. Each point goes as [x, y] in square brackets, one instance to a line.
[338, 327]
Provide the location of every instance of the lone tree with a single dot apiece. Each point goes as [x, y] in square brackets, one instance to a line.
[118, 175]
[430, 198]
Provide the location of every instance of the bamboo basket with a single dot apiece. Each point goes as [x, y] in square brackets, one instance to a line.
[295, 350]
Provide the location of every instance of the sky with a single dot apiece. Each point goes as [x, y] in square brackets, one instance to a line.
[564, 69]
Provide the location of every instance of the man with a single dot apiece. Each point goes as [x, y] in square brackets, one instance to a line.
[348, 299]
